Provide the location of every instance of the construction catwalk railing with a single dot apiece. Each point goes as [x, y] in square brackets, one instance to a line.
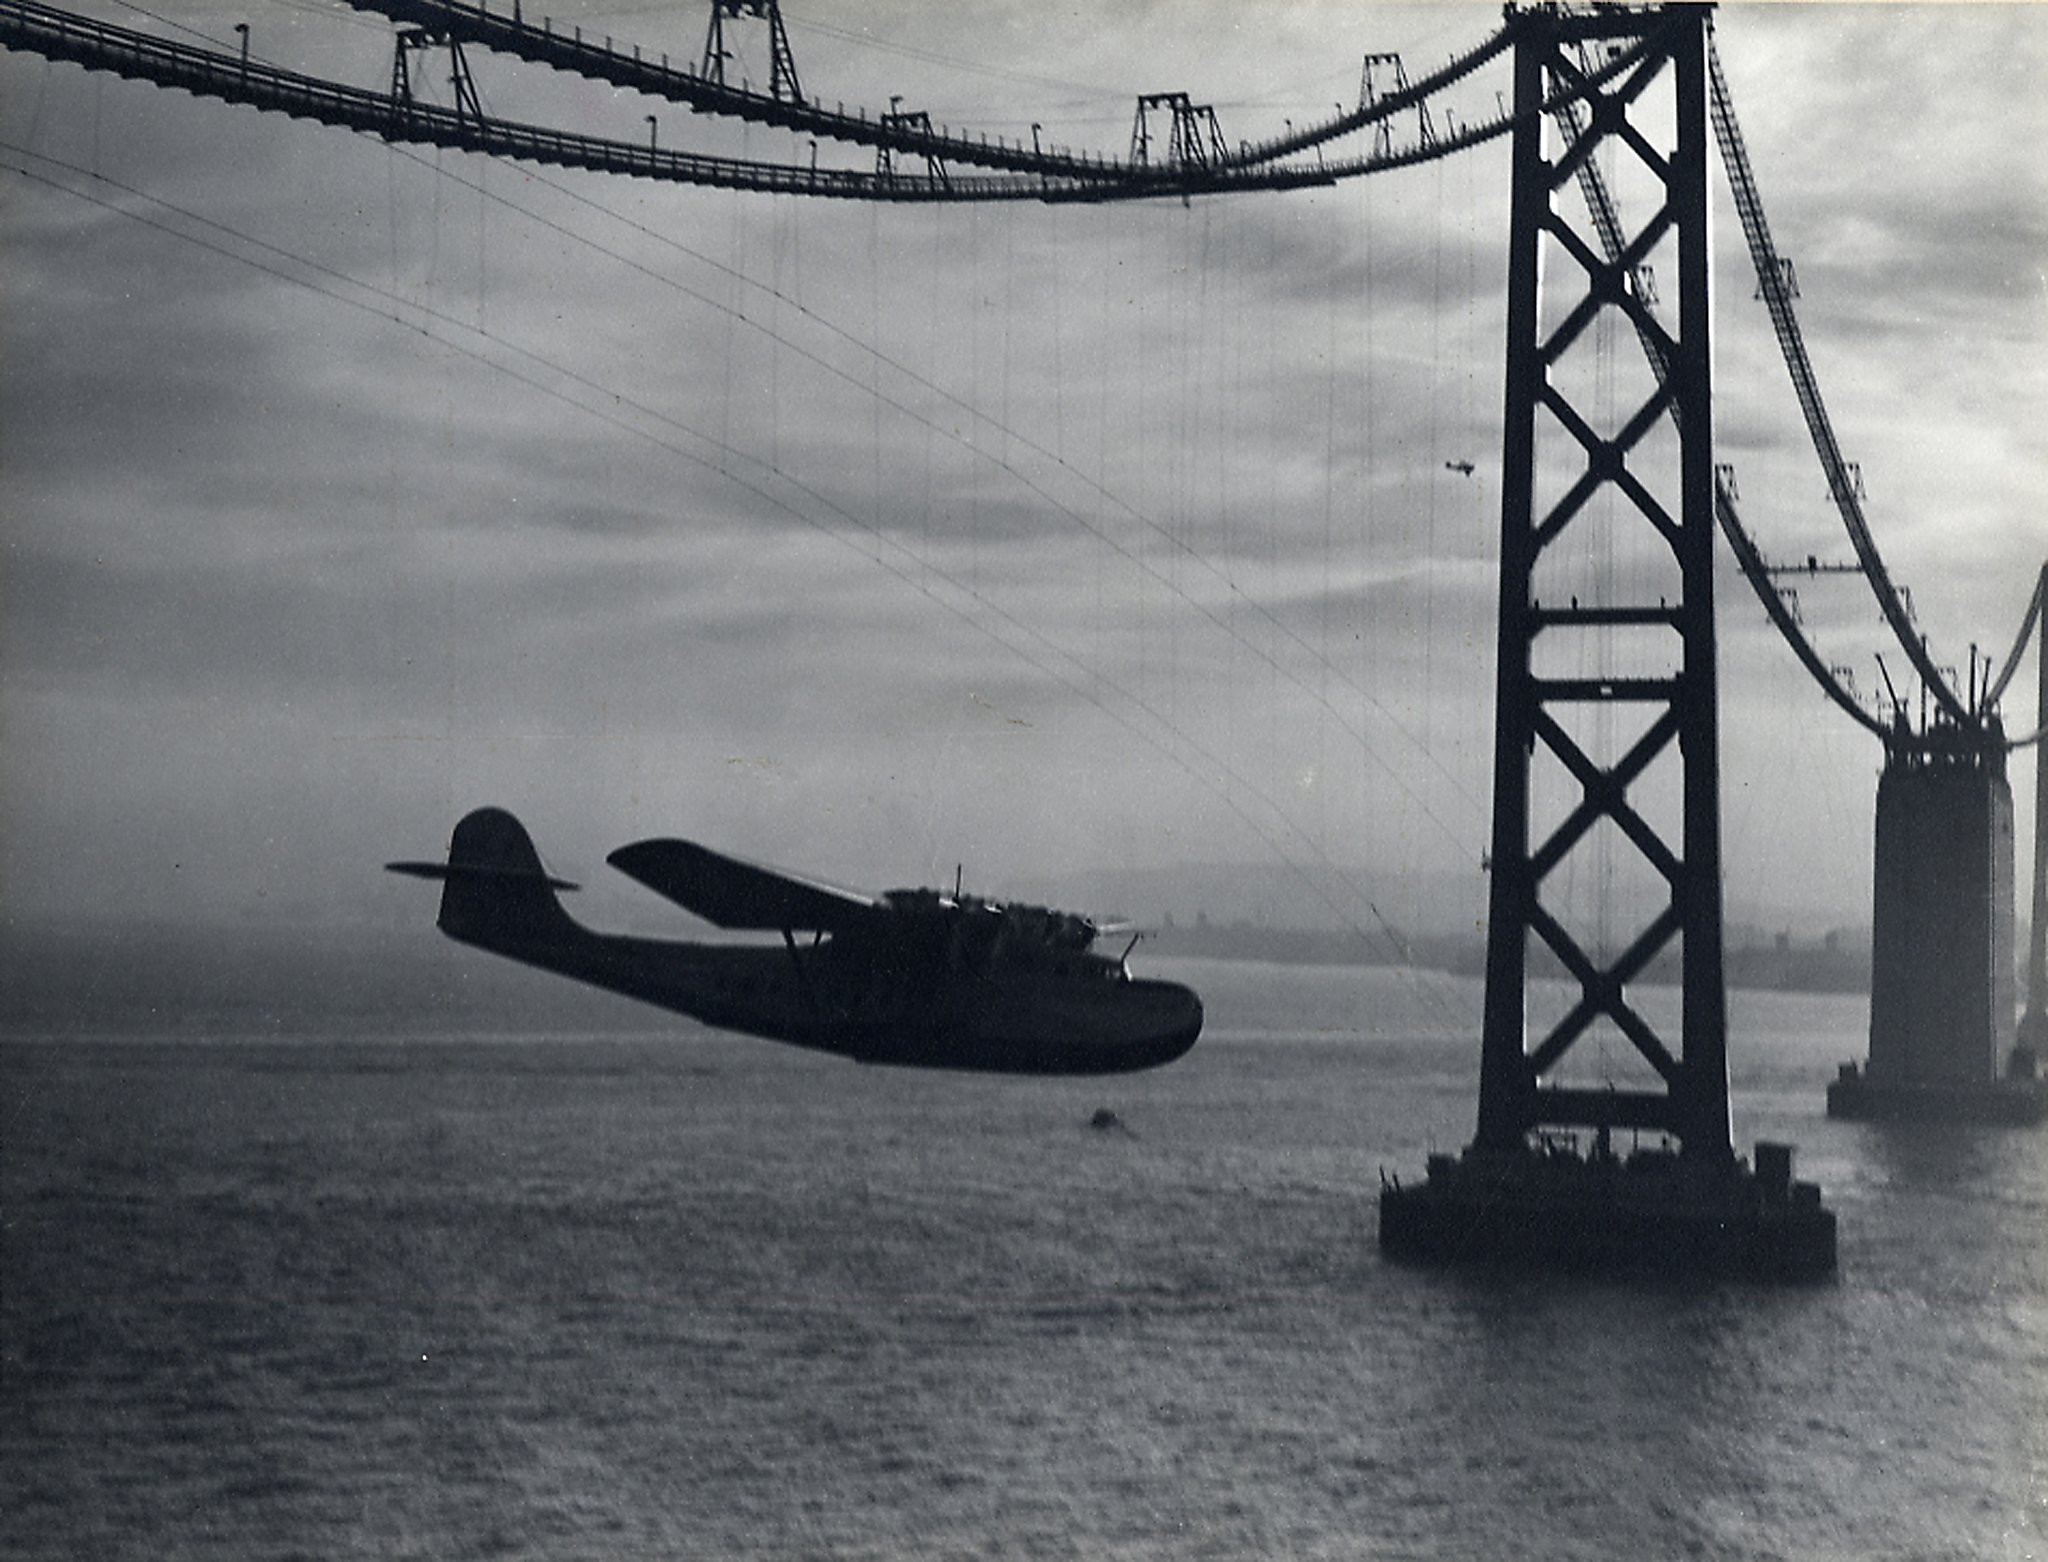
[1607, 226]
[60, 35]
[2035, 621]
[95, 45]
[1777, 294]
[506, 31]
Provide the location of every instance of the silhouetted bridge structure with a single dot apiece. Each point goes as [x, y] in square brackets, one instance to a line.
[1528, 1186]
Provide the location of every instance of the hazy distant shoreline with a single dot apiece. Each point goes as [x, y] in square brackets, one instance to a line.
[1839, 963]
[209, 977]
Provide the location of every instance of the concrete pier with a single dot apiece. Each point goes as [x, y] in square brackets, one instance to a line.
[1942, 996]
[1657, 1213]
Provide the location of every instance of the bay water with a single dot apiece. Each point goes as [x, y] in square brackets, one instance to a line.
[378, 1290]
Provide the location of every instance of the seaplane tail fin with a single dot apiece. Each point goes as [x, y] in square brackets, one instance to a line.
[495, 894]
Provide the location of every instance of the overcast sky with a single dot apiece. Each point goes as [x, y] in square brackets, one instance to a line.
[344, 486]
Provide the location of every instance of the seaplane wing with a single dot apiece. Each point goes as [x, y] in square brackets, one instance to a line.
[729, 893]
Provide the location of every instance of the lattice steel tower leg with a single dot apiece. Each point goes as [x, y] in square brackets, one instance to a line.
[1552, 445]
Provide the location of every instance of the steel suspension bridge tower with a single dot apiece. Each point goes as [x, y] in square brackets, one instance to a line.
[1529, 707]
[1528, 1188]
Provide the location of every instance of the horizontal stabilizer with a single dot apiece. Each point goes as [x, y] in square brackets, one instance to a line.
[458, 870]
[729, 893]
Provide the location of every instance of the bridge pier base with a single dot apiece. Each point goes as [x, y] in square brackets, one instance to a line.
[1653, 1213]
[1942, 1041]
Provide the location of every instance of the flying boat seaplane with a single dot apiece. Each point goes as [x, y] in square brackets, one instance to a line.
[911, 977]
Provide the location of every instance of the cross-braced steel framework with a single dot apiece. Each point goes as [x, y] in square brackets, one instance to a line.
[1544, 428]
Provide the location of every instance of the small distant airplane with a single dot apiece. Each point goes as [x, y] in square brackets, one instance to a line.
[1463, 468]
[912, 977]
